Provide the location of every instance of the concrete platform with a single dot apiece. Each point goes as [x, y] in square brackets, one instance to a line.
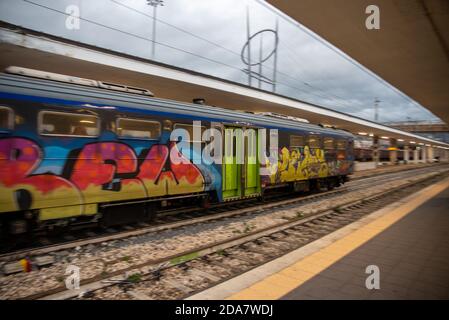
[365, 171]
[408, 241]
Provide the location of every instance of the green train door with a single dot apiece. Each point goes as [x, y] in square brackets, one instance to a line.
[240, 164]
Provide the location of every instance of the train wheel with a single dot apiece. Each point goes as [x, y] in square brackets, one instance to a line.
[331, 183]
[56, 231]
[205, 202]
[315, 185]
[261, 198]
[150, 211]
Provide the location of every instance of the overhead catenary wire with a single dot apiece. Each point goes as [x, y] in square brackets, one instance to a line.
[234, 53]
[134, 35]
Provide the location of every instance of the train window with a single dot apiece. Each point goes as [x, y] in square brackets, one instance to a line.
[272, 141]
[68, 124]
[314, 142]
[189, 129]
[138, 129]
[296, 141]
[329, 144]
[6, 118]
[341, 144]
[351, 148]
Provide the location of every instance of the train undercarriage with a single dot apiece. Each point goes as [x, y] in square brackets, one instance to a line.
[146, 210]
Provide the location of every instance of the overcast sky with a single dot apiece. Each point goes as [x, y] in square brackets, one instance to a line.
[208, 36]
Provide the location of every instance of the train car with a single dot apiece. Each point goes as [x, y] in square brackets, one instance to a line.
[77, 151]
[363, 155]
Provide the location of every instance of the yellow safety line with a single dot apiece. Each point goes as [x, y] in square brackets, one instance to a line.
[290, 278]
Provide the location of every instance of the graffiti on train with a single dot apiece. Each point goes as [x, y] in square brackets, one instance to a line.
[96, 172]
[306, 163]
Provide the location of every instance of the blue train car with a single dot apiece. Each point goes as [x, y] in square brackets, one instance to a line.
[75, 150]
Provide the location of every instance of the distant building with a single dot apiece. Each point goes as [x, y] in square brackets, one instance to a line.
[437, 130]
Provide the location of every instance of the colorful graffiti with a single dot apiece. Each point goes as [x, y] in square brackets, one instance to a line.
[98, 172]
[107, 171]
[20, 190]
[161, 177]
[305, 163]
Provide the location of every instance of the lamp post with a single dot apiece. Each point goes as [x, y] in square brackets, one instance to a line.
[376, 109]
[154, 4]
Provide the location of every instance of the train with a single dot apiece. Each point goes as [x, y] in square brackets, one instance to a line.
[75, 151]
[366, 154]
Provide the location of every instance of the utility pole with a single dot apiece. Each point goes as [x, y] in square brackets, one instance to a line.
[248, 37]
[376, 109]
[260, 59]
[275, 62]
[154, 4]
[246, 55]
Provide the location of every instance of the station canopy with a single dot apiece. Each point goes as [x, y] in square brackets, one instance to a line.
[410, 50]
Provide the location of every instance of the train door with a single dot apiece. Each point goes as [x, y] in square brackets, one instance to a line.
[240, 163]
[251, 172]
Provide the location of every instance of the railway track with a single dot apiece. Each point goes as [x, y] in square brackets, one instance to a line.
[171, 219]
[180, 275]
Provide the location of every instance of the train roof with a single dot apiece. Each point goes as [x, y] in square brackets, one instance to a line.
[24, 85]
